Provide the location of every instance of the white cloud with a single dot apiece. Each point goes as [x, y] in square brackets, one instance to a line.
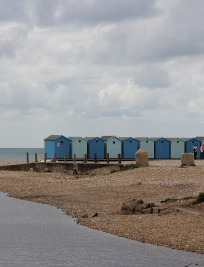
[93, 67]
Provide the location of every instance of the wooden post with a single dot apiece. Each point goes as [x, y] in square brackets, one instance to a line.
[85, 158]
[74, 158]
[107, 157]
[95, 157]
[55, 157]
[36, 157]
[27, 157]
[45, 157]
[65, 157]
[119, 158]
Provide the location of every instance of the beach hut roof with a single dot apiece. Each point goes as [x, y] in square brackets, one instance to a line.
[186, 139]
[90, 138]
[106, 137]
[172, 138]
[200, 138]
[77, 137]
[52, 137]
[141, 138]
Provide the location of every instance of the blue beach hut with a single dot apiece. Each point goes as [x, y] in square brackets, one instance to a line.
[78, 146]
[201, 139]
[189, 143]
[147, 144]
[95, 145]
[161, 148]
[112, 145]
[58, 144]
[129, 147]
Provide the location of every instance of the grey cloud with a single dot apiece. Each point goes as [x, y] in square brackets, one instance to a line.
[53, 12]
[152, 77]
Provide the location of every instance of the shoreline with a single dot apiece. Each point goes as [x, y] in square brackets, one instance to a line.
[82, 196]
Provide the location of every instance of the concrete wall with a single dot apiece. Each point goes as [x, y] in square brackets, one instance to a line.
[82, 168]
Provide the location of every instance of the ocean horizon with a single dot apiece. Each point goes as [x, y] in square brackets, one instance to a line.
[19, 154]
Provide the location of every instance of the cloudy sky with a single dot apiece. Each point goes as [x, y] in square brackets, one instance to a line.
[100, 67]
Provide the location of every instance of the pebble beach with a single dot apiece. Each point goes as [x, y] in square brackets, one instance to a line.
[95, 200]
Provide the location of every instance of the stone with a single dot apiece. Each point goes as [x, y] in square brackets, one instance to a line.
[141, 157]
[187, 159]
[84, 216]
[31, 169]
[133, 205]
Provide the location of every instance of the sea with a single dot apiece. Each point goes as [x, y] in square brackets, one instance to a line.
[19, 154]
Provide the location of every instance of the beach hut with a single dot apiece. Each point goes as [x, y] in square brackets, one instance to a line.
[112, 145]
[95, 145]
[161, 148]
[129, 147]
[78, 146]
[58, 144]
[147, 144]
[177, 147]
[189, 143]
[201, 139]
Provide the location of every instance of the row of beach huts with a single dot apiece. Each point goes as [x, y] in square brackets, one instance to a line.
[157, 148]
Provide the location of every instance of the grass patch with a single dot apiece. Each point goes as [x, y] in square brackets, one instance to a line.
[183, 166]
[199, 199]
[113, 171]
[126, 168]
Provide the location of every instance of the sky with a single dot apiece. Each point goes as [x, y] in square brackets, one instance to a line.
[100, 67]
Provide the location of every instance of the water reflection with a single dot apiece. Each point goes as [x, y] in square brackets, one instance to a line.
[33, 234]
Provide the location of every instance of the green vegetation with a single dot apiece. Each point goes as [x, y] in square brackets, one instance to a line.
[200, 199]
[126, 168]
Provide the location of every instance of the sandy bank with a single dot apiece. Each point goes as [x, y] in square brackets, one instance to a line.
[83, 196]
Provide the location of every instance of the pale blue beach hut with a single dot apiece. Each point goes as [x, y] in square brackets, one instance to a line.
[161, 148]
[147, 144]
[129, 147]
[177, 147]
[78, 146]
[58, 144]
[112, 145]
[95, 145]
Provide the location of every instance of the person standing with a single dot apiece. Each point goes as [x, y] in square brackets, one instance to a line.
[195, 151]
[201, 152]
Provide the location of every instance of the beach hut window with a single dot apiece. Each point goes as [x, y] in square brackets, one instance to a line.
[79, 141]
[96, 140]
[162, 141]
[113, 142]
[193, 142]
[177, 141]
[130, 140]
[61, 142]
[146, 141]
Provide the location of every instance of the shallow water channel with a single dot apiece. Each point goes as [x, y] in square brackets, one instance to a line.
[33, 234]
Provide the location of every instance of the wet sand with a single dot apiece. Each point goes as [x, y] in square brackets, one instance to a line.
[82, 196]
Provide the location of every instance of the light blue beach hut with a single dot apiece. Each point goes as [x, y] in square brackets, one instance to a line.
[78, 146]
[189, 144]
[58, 144]
[112, 145]
[161, 148]
[95, 145]
[129, 147]
[177, 147]
[147, 144]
